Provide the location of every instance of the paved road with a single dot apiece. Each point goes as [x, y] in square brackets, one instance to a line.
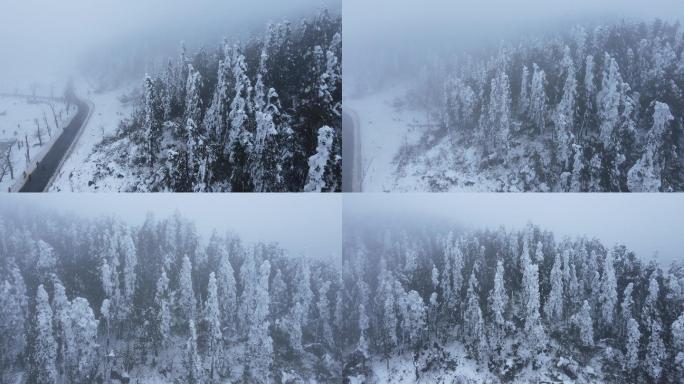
[39, 179]
[351, 161]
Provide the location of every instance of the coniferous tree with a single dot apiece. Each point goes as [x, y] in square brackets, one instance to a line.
[259, 351]
[584, 324]
[191, 361]
[554, 304]
[213, 324]
[226, 290]
[187, 304]
[632, 347]
[44, 348]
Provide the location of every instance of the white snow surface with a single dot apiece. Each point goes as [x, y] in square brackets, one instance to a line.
[383, 130]
[78, 171]
[17, 120]
[402, 150]
[453, 364]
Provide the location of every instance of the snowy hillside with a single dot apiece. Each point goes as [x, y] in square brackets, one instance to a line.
[429, 305]
[82, 301]
[261, 116]
[80, 169]
[587, 109]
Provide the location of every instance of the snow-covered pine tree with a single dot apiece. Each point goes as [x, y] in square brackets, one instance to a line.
[585, 325]
[12, 325]
[323, 163]
[162, 305]
[241, 117]
[362, 345]
[62, 323]
[279, 295]
[226, 290]
[416, 318]
[655, 347]
[626, 308]
[216, 120]
[129, 256]
[678, 347]
[434, 277]
[266, 162]
[632, 345]
[498, 126]
[608, 297]
[248, 279]
[524, 98]
[186, 302]
[212, 319]
[152, 122]
[554, 304]
[193, 101]
[387, 317]
[81, 346]
[193, 365]
[474, 336]
[534, 331]
[608, 100]
[498, 301]
[564, 115]
[538, 99]
[323, 307]
[302, 300]
[258, 357]
[43, 348]
[648, 174]
[45, 262]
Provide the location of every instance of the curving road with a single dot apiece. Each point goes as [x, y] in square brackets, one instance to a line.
[350, 155]
[39, 179]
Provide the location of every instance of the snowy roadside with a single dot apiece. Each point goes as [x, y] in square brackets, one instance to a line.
[18, 121]
[78, 170]
[383, 130]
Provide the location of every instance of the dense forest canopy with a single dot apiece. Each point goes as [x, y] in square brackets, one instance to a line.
[86, 300]
[525, 306]
[588, 109]
[262, 116]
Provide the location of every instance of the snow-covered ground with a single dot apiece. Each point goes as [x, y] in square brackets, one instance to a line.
[78, 171]
[18, 117]
[384, 127]
[403, 150]
[452, 364]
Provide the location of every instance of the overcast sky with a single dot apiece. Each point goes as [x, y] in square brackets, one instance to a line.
[42, 39]
[301, 223]
[645, 223]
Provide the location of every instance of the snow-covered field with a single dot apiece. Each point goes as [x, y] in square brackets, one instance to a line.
[384, 128]
[78, 171]
[18, 118]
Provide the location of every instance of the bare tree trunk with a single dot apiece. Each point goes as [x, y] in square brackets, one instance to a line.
[28, 154]
[47, 126]
[39, 134]
[9, 161]
[54, 115]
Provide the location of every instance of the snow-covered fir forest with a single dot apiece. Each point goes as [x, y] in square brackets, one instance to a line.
[94, 300]
[259, 116]
[430, 303]
[589, 108]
